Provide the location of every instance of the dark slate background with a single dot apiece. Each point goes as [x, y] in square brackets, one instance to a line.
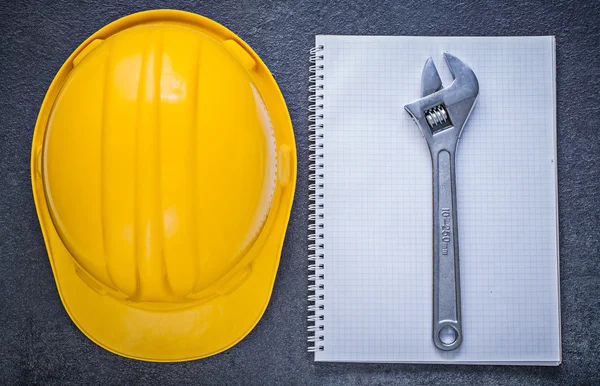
[40, 345]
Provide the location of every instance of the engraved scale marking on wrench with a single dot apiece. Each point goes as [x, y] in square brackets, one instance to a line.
[441, 115]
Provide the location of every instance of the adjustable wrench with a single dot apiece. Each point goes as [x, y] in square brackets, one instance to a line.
[441, 115]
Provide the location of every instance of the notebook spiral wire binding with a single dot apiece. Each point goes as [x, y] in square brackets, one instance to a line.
[315, 238]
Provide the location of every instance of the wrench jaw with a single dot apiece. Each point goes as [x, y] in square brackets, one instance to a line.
[462, 93]
[463, 76]
[456, 100]
[430, 79]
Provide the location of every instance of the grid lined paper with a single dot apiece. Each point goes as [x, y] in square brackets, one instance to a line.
[378, 203]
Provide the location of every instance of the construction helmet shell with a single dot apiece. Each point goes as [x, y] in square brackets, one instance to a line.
[163, 170]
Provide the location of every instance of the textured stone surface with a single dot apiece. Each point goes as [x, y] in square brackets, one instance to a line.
[39, 342]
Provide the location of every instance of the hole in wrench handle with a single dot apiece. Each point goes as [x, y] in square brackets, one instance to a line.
[442, 328]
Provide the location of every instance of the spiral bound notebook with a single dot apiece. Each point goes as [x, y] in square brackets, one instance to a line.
[370, 269]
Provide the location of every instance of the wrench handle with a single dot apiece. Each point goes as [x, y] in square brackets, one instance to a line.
[447, 322]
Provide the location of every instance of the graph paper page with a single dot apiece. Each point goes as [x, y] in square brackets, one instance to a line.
[377, 203]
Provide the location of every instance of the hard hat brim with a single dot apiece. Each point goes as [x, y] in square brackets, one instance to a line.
[194, 332]
[188, 331]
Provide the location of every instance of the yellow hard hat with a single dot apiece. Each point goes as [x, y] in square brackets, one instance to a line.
[163, 170]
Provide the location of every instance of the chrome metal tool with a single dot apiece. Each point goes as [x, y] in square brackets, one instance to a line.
[441, 115]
